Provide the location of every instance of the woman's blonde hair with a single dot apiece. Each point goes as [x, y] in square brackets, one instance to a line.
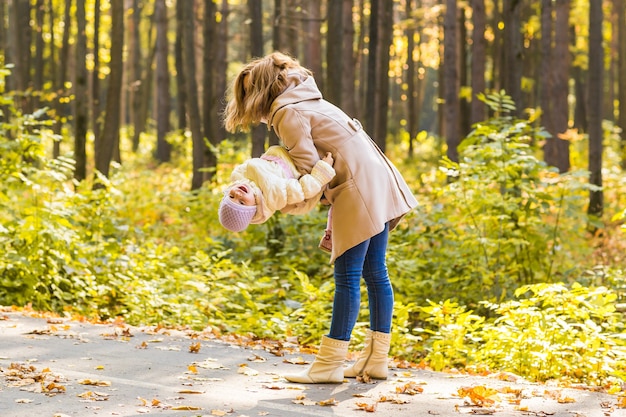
[255, 88]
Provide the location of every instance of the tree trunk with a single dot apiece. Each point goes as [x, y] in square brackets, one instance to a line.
[19, 25]
[478, 110]
[81, 107]
[450, 80]
[348, 73]
[181, 87]
[382, 99]
[464, 103]
[334, 52]
[109, 139]
[60, 75]
[513, 53]
[193, 109]
[210, 99]
[545, 99]
[135, 78]
[411, 75]
[312, 55]
[221, 65]
[162, 95]
[372, 62]
[621, 77]
[96, 110]
[560, 73]
[595, 92]
[256, 49]
[38, 63]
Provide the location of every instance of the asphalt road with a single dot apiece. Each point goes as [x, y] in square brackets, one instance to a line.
[52, 367]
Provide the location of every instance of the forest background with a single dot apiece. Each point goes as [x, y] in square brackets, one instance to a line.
[505, 116]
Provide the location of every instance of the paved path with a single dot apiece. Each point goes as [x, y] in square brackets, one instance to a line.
[52, 367]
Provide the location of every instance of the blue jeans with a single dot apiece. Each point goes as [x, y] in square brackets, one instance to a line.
[367, 259]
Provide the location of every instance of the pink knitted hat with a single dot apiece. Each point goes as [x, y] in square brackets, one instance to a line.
[235, 217]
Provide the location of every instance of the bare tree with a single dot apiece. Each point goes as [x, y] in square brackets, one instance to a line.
[81, 108]
[109, 139]
[162, 95]
[595, 89]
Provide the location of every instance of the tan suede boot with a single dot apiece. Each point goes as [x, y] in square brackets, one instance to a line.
[373, 358]
[327, 368]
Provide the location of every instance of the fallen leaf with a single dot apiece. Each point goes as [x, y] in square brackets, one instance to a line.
[245, 370]
[195, 347]
[479, 395]
[23, 401]
[185, 408]
[190, 391]
[296, 361]
[370, 408]
[410, 388]
[328, 402]
[96, 382]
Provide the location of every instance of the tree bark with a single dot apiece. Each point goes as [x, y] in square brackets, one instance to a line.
[96, 122]
[81, 107]
[181, 108]
[621, 77]
[450, 81]
[162, 95]
[109, 139]
[38, 62]
[256, 49]
[595, 93]
[193, 109]
[334, 52]
[135, 78]
[560, 73]
[545, 80]
[348, 66]
[210, 99]
[513, 53]
[478, 110]
[19, 25]
[312, 52]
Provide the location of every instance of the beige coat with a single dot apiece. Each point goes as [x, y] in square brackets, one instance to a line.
[367, 191]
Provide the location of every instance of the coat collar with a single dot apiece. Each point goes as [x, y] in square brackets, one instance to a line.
[299, 90]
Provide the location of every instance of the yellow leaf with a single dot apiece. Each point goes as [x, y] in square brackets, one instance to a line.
[185, 408]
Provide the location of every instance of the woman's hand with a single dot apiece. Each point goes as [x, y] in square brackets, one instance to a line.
[329, 159]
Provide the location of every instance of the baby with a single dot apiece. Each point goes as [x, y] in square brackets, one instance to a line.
[261, 186]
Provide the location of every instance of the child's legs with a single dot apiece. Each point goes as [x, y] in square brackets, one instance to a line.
[379, 290]
[347, 302]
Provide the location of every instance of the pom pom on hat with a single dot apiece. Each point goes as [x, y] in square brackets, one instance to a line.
[235, 217]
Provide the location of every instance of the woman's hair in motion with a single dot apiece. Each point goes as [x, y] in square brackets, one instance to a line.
[255, 88]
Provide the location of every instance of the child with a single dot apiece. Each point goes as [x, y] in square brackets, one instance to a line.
[368, 197]
[261, 186]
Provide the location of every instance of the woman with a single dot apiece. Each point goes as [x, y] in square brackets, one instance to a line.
[368, 197]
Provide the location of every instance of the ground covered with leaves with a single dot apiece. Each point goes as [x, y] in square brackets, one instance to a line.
[58, 367]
